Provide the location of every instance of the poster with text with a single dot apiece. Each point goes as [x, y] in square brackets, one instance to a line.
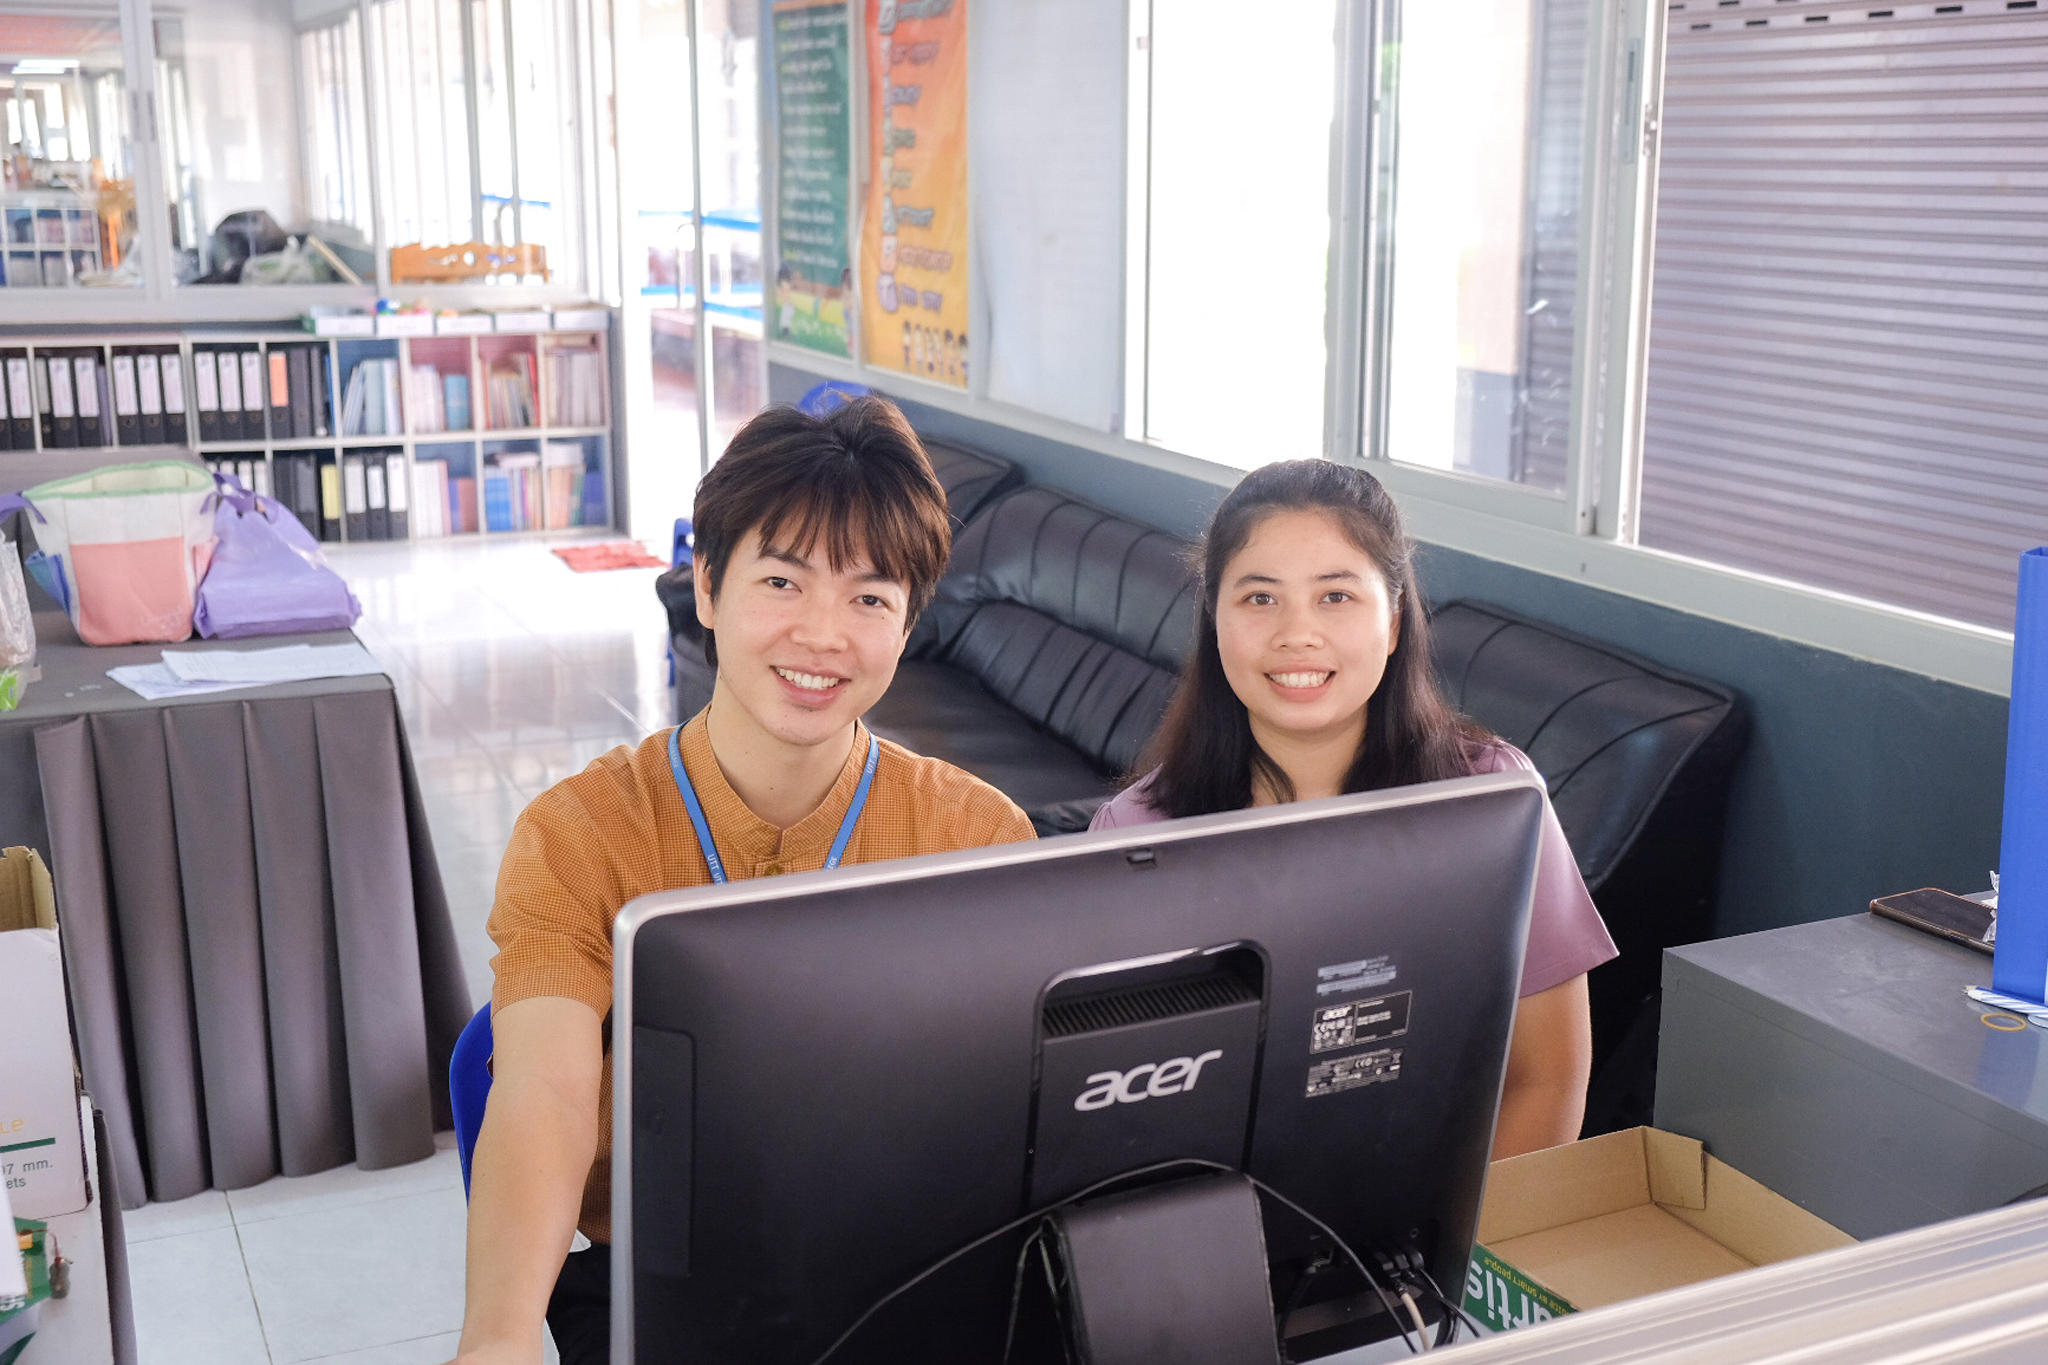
[914, 224]
[813, 222]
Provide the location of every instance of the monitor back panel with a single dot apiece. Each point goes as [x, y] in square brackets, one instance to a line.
[828, 1082]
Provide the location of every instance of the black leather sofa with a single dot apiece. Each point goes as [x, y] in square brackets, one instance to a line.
[1047, 658]
[1638, 759]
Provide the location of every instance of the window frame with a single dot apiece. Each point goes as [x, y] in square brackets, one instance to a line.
[1587, 533]
[159, 300]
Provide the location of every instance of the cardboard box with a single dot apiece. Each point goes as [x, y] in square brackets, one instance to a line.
[405, 324]
[42, 1147]
[1620, 1216]
[463, 324]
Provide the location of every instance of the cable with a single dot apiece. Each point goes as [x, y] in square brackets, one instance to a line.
[1421, 1327]
[1006, 1229]
[1450, 1303]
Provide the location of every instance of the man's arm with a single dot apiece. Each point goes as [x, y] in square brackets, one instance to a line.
[527, 1174]
[1550, 1059]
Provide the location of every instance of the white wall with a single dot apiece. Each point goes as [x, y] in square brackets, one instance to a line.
[239, 62]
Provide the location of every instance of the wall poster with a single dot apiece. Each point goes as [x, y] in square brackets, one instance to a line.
[813, 222]
[914, 224]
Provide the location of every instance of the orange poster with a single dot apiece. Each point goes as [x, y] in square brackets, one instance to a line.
[913, 261]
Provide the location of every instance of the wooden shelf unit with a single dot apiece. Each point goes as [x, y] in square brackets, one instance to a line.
[475, 452]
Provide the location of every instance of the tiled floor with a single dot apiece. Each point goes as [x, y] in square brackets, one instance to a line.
[512, 673]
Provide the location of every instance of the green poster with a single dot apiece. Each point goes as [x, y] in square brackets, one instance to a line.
[813, 93]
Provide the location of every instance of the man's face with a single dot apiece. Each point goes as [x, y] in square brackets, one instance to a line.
[803, 649]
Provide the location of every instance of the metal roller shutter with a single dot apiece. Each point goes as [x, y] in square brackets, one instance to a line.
[1848, 361]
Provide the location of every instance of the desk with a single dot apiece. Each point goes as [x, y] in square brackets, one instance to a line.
[1840, 1064]
[263, 971]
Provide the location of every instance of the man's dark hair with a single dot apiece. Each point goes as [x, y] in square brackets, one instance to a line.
[856, 480]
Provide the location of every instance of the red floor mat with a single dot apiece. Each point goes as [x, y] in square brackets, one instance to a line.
[613, 554]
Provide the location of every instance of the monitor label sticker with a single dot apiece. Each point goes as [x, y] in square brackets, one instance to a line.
[1336, 1027]
[1364, 974]
[1348, 1073]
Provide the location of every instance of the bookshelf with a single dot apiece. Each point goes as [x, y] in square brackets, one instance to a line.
[363, 438]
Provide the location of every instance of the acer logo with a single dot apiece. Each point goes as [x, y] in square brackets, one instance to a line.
[1150, 1081]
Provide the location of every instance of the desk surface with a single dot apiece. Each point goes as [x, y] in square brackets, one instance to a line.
[75, 681]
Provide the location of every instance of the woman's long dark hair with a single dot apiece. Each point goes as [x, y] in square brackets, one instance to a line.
[1206, 757]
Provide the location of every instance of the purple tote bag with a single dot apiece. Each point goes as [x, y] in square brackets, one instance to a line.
[268, 576]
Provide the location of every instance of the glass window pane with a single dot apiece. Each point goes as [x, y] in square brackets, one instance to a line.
[423, 150]
[262, 161]
[67, 210]
[1240, 229]
[1489, 98]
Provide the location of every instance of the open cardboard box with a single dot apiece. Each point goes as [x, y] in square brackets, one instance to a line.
[1619, 1216]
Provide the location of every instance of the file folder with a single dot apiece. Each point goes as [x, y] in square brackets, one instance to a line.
[171, 376]
[330, 499]
[397, 482]
[21, 403]
[377, 517]
[281, 393]
[252, 394]
[301, 360]
[127, 401]
[230, 395]
[355, 499]
[206, 394]
[61, 427]
[85, 374]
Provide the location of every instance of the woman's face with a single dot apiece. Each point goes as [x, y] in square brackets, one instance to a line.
[1305, 626]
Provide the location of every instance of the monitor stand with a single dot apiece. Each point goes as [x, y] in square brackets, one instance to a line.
[1172, 1274]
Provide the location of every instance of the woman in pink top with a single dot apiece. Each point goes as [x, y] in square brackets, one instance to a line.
[1311, 677]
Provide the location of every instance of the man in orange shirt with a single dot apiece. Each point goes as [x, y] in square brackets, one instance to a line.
[818, 543]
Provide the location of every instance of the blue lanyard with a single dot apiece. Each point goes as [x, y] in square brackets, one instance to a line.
[703, 828]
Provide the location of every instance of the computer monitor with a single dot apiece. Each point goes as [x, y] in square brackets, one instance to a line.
[825, 1084]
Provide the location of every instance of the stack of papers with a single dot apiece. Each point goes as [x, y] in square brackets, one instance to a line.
[189, 672]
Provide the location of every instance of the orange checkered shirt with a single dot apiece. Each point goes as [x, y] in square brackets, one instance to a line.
[619, 829]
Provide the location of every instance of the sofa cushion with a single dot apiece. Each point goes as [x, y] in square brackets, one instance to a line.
[1608, 731]
[970, 478]
[941, 711]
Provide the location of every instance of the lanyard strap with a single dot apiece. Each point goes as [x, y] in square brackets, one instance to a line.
[703, 827]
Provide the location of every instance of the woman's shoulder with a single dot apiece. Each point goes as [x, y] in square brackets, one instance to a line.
[1128, 807]
[1492, 754]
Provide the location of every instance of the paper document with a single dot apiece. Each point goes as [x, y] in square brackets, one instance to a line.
[287, 663]
[191, 672]
[154, 682]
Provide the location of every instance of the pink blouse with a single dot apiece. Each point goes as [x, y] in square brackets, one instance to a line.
[1566, 934]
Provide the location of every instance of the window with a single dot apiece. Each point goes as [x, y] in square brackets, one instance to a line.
[1846, 328]
[1483, 204]
[67, 209]
[1236, 239]
[337, 160]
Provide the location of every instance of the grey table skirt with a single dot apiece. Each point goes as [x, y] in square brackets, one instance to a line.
[263, 972]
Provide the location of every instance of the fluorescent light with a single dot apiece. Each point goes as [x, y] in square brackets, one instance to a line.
[45, 66]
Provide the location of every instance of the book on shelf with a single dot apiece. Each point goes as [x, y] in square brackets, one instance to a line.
[462, 503]
[54, 401]
[576, 384]
[330, 499]
[299, 391]
[252, 393]
[85, 376]
[279, 361]
[149, 397]
[170, 368]
[128, 400]
[370, 407]
[425, 398]
[397, 498]
[430, 510]
[510, 391]
[562, 484]
[355, 499]
[376, 515]
[21, 400]
[206, 396]
[455, 401]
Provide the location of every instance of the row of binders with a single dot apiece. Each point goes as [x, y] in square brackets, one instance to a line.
[75, 399]
[235, 386]
[360, 496]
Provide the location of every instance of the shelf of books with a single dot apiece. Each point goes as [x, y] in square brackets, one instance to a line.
[386, 438]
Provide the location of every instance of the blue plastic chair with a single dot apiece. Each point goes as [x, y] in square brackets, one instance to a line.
[469, 1086]
[680, 551]
[833, 393]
